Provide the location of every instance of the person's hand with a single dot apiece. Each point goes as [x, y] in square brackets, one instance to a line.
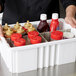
[70, 15]
[71, 21]
[1, 31]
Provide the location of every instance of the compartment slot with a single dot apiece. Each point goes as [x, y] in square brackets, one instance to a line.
[46, 35]
[11, 43]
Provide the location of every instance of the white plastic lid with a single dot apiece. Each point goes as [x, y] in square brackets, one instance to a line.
[68, 35]
[55, 16]
[43, 17]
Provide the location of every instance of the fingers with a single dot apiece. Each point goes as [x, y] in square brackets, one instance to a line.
[71, 21]
[74, 20]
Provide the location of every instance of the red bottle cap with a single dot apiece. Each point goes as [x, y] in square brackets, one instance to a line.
[57, 35]
[33, 34]
[15, 36]
[36, 40]
[20, 42]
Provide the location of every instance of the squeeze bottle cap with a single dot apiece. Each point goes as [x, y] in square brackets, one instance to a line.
[55, 16]
[57, 35]
[43, 17]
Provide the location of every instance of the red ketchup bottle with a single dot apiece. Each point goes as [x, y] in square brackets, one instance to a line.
[54, 23]
[43, 25]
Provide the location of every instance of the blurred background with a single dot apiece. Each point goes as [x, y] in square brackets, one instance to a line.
[62, 12]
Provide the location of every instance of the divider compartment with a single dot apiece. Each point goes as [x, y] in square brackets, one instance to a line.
[11, 43]
[46, 35]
